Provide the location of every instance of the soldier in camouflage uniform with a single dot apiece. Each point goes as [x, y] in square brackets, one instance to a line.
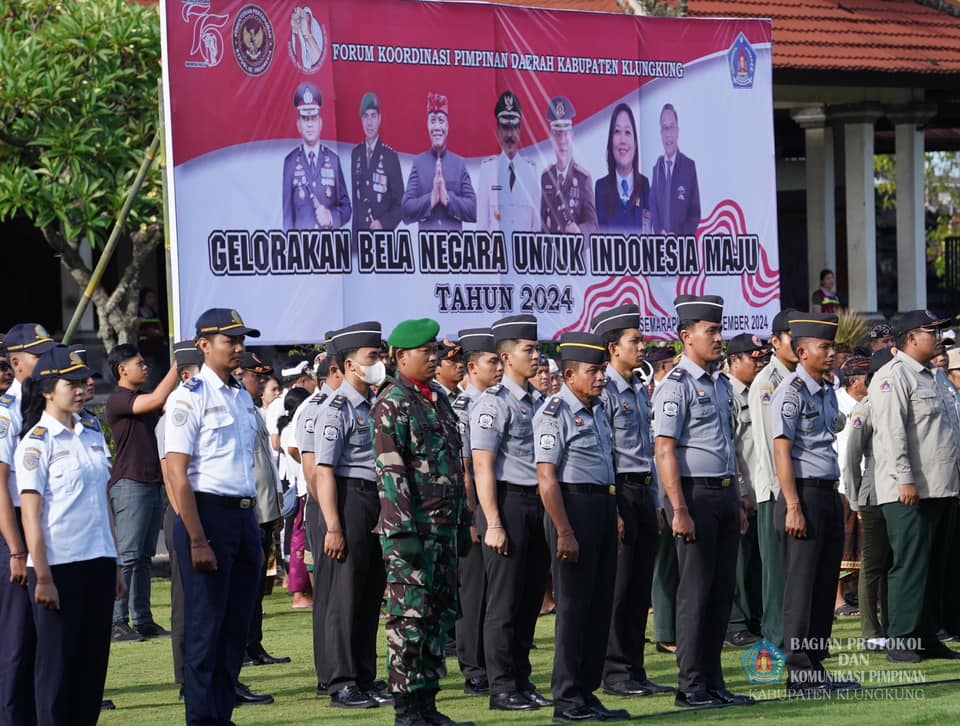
[422, 501]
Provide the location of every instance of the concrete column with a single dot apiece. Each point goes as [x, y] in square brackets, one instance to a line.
[820, 183]
[911, 234]
[858, 128]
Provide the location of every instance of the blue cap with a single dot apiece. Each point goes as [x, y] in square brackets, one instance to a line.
[307, 99]
[28, 338]
[223, 320]
[60, 362]
[560, 113]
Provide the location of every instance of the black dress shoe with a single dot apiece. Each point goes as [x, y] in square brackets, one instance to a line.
[635, 689]
[536, 698]
[697, 699]
[511, 702]
[380, 694]
[351, 697]
[602, 713]
[246, 697]
[902, 655]
[934, 649]
[322, 689]
[180, 696]
[574, 714]
[479, 686]
[107, 705]
[732, 699]
[945, 636]
[741, 639]
[262, 658]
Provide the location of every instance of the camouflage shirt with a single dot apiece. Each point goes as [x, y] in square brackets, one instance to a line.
[419, 469]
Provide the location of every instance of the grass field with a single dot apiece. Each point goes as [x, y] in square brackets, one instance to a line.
[140, 682]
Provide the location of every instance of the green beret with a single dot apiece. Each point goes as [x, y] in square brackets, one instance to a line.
[369, 100]
[412, 334]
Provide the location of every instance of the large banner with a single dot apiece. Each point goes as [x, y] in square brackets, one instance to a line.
[333, 161]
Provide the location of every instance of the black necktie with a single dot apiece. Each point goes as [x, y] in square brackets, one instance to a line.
[513, 176]
[312, 159]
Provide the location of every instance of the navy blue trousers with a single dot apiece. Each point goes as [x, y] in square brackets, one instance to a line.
[218, 607]
[73, 643]
[18, 642]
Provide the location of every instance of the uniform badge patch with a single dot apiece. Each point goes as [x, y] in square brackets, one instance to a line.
[857, 422]
[523, 410]
[330, 433]
[38, 432]
[885, 387]
[31, 459]
[308, 425]
[4, 426]
[765, 398]
[578, 421]
[178, 416]
[6, 400]
[789, 409]
[670, 408]
[485, 420]
[547, 441]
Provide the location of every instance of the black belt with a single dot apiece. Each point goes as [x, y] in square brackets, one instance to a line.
[224, 501]
[707, 482]
[360, 485]
[594, 489]
[525, 491]
[830, 484]
[634, 479]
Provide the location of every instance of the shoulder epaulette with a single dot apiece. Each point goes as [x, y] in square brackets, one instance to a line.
[461, 402]
[489, 159]
[90, 421]
[338, 401]
[494, 389]
[797, 384]
[677, 373]
[724, 376]
[553, 405]
[193, 384]
[577, 167]
[6, 400]
[39, 432]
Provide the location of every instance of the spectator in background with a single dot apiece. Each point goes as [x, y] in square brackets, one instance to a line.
[6, 371]
[825, 298]
[541, 381]
[136, 486]
[940, 359]
[152, 335]
[290, 469]
[297, 376]
[881, 336]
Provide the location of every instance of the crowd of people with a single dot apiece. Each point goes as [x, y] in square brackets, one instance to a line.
[463, 486]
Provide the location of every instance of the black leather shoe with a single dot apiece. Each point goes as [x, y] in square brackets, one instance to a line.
[180, 696]
[151, 630]
[262, 657]
[602, 713]
[379, 693]
[934, 649]
[635, 689]
[732, 699]
[536, 698]
[511, 702]
[697, 699]
[476, 686]
[902, 655]
[322, 689]
[407, 711]
[741, 639]
[107, 705]
[351, 697]
[246, 697]
[574, 714]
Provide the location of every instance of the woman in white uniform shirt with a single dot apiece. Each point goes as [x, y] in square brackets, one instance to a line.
[63, 469]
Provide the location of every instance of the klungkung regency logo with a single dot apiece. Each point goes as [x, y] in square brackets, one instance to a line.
[764, 663]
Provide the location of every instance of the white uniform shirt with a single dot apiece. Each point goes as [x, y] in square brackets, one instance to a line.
[11, 421]
[69, 469]
[215, 424]
[273, 413]
[845, 402]
[501, 208]
[290, 468]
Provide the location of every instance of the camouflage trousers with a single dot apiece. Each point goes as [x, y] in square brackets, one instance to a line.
[421, 608]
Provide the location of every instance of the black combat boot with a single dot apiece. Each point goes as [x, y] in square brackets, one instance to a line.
[406, 707]
[430, 714]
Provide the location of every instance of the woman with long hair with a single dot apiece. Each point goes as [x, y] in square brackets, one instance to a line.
[62, 473]
[292, 473]
[623, 195]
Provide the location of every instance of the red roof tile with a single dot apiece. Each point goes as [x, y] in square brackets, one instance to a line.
[599, 6]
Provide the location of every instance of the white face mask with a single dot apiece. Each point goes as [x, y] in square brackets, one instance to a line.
[374, 375]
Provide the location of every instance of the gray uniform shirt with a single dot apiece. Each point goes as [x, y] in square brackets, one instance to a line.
[857, 463]
[265, 474]
[743, 439]
[806, 412]
[576, 438]
[307, 421]
[461, 406]
[502, 421]
[343, 437]
[628, 409]
[915, 430]
[696, 409]
[765, 484]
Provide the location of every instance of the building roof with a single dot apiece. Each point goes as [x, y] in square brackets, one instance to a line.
[887, 36]
[598, 6]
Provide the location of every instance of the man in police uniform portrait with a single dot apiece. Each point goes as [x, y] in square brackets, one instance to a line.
[566, 204]
[509, 192]
[314, 193]
[375, 174]
[439, 193]
[674, 193]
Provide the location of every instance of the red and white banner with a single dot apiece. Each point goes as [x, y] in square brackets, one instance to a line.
[335, 161]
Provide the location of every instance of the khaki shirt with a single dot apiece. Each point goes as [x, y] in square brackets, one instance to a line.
[856, 461]
[916, 431]
[765, 484]
[743, 439]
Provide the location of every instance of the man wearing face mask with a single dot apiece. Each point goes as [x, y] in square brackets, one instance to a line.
[346, 482]
[439, 194]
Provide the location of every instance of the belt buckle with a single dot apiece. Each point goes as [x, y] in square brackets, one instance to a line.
[836, 485]
[724, 483]
[612, 490]
[246, 503]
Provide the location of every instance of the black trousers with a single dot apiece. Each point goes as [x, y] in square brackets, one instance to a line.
[708, 569]
[73, 643]
[515, 585]
[584, 594]
[666, 578]
[255, 637]
[218, 607]
[18, 645]
[316, 528]
[473, 595]
[811, 568]
[637, 506]
[747, 610]
[177, 625]
[356, 589]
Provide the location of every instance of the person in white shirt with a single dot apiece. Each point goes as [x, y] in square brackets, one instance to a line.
[62, 473]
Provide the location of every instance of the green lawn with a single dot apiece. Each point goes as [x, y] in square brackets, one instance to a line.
[140, 682]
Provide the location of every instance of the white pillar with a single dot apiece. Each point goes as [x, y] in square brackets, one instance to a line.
[820, 183]
[858, 128]
[911, 234]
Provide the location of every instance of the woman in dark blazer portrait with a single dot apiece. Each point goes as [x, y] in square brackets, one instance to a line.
[623, 195]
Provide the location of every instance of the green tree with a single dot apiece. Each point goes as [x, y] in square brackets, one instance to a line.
[674, 8]
[78, 110]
